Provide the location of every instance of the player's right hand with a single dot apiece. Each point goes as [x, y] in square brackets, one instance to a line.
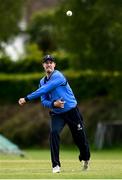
[21, 101]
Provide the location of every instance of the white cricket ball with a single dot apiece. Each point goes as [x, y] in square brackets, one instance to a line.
[69, 13]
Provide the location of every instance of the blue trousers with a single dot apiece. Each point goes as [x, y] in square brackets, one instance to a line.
[74, 120]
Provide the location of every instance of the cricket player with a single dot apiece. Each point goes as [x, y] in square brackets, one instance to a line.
[57, 95]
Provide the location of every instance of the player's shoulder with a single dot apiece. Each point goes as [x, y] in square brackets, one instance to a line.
[57, 73]
[42, 80]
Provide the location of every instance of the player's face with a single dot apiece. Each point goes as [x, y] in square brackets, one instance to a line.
[49, 66]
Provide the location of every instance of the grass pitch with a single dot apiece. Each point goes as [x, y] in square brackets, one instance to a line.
[36, 165]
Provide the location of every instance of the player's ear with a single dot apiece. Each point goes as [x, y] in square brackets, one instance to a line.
[55, 64]
[43, 64]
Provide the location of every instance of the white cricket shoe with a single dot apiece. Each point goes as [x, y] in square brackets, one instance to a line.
[85, 165]
[56, 169]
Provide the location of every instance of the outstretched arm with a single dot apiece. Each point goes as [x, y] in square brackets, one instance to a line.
[44, 89]
[58, 103]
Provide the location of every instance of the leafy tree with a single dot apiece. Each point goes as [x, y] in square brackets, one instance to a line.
[93, 33]
[10, 15]
[42, 32]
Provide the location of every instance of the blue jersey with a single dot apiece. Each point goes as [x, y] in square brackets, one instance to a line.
[54, 88]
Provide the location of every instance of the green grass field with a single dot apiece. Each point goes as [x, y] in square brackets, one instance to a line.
[105, 164]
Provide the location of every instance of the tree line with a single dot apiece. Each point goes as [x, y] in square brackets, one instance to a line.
[91, 37]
